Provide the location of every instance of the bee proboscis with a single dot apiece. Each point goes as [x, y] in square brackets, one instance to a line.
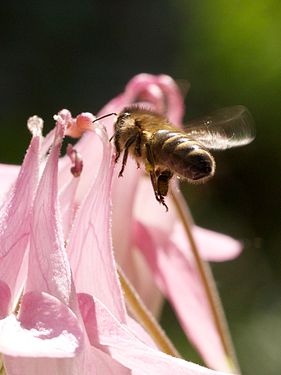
[166, 150]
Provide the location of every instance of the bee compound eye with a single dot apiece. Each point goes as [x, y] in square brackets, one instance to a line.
[121, 119]
[125, 115]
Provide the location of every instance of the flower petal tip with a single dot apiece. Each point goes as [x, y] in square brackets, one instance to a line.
[35, 125]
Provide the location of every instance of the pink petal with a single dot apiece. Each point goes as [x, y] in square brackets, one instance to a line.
[178, 278]
[126, 348]
[213, 246]
[161, 91]
[15, 218]
[123, 195]
[143, 88]
[133, 197]
[45, 328]
[90, 250]
[91, 150]
[106, 365]
[89, 362]
[86, 306]
[152, 215]
[216, 247]
[48, 328]
[68, 204]
[42, 366]
[8, 175]
[5, 298]
[174, 98]
[49, 270]
[140, 333]
[87, 309]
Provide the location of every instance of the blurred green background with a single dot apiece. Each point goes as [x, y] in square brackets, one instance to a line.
[78, 55]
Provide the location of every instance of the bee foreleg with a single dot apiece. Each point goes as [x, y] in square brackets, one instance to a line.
[129, 142]
[116, 137]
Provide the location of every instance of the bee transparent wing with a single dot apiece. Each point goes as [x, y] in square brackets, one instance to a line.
[225, 128]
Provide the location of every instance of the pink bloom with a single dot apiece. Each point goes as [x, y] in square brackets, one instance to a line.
[56, 251]
[48, 327]
[152, 246]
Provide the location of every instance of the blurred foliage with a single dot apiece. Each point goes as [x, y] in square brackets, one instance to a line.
[78, 55]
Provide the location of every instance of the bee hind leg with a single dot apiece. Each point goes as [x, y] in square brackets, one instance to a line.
[163, 181]
[163, 185]
[159, 197]
[156, 183]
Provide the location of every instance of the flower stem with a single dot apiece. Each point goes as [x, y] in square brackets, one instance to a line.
[145, 318]
[208, 282]
[2, 369]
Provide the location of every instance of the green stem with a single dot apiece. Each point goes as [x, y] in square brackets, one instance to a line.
[207, 281]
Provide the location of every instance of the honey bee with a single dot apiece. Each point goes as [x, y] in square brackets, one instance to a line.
[165, 150]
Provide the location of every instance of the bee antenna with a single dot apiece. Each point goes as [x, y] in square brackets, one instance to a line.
[101, 117]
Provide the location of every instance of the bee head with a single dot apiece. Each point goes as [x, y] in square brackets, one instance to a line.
[124, 121]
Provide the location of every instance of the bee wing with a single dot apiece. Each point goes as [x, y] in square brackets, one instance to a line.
[225, 128]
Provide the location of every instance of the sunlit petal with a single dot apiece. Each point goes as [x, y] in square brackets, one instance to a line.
[45, 328]
[15, 219]
[126, 348]
[89, 247]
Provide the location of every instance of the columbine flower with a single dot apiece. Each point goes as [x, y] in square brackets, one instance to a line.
[152, 246]
[62, 308]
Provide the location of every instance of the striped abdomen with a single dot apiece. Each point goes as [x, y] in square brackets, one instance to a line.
[183, 155]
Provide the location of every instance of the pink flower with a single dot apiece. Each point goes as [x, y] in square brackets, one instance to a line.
[62, 308]
[152, 246]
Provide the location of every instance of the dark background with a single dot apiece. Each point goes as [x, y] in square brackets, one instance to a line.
[78, 55]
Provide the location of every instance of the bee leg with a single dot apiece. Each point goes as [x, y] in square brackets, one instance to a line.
[150, 166]
[129, 142]
[116, 137]
[162, 201]
[154, 179]
[138, 146]
[163, 182]
[159, 197]
[163, 186]
[138, 149]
